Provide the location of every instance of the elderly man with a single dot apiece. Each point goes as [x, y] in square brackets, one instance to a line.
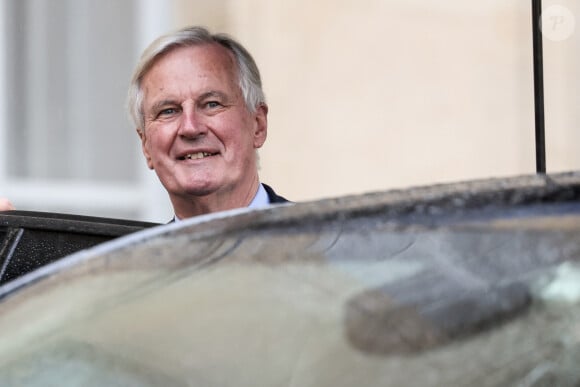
[197, 103]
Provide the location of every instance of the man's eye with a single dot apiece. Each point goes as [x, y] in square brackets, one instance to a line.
[168, 111]
[212, 104]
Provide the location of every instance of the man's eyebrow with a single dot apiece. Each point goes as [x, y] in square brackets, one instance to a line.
[170, 102]
[165, 102]
[213, 94]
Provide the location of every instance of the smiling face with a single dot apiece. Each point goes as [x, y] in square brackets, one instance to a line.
[199, 136]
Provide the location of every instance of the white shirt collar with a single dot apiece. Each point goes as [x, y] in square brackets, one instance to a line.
[261, 199]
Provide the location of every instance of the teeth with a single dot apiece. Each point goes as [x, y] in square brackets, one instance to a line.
[198, 155]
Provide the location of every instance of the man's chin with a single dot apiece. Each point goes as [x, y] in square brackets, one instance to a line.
[198, 189]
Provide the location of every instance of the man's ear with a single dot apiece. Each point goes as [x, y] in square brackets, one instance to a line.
[261, 127]
[144, 149]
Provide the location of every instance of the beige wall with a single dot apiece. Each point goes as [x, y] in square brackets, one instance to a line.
[376, 94]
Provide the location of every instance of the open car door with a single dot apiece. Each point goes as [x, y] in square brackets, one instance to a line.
[29, 240]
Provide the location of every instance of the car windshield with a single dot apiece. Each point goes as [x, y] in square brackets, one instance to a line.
[457, 285]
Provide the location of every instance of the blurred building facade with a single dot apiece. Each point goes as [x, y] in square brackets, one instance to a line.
[363, 96]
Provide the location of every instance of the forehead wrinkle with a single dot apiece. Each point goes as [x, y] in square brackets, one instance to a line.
[225, 70]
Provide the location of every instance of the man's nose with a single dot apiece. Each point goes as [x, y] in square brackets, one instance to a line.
[192, 124]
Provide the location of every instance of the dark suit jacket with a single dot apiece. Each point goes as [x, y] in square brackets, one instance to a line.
[273, 196]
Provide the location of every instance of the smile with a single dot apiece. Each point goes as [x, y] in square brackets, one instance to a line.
[198, 155]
